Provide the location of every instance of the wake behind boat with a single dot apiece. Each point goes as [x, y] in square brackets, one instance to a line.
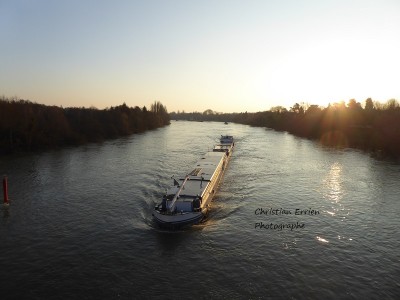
[187, 201]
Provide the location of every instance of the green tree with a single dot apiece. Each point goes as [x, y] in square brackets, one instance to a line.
[208, 112]
[392, 104]
[369, 105]
[278, 109]
[297, 108]
[353, 104]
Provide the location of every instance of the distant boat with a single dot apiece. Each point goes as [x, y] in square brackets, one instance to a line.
[187, 202]
[227, 139]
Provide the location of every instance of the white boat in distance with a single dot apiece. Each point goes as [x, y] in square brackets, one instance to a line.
[187, 202]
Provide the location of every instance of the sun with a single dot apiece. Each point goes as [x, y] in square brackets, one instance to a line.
[329, 72]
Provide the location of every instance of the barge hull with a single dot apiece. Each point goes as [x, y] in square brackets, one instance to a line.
[187, 202]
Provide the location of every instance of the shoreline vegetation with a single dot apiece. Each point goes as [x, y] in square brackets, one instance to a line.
[373, 127]
[28, 126]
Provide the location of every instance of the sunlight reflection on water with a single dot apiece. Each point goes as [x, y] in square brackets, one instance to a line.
[333, 183]
[320, 239]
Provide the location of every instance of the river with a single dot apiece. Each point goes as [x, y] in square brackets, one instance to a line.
[291, 220]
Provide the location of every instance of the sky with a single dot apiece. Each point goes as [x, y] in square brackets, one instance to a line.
[228, 56]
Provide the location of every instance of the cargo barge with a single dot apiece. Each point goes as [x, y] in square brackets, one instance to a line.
[187, 202]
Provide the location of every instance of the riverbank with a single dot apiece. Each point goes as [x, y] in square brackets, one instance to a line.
[27, 126]
[374, 128]
[374, 131]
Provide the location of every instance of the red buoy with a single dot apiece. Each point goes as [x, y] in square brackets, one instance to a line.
[5, 190]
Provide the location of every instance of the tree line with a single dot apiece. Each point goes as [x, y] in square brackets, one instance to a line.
[373, 127]
[207, 115]
[25, 125]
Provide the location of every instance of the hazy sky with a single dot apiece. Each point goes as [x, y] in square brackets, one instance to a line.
[229, 56]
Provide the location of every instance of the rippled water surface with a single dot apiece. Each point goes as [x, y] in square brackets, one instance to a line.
[80, 226]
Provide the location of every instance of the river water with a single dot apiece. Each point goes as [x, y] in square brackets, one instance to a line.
[291, 220]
